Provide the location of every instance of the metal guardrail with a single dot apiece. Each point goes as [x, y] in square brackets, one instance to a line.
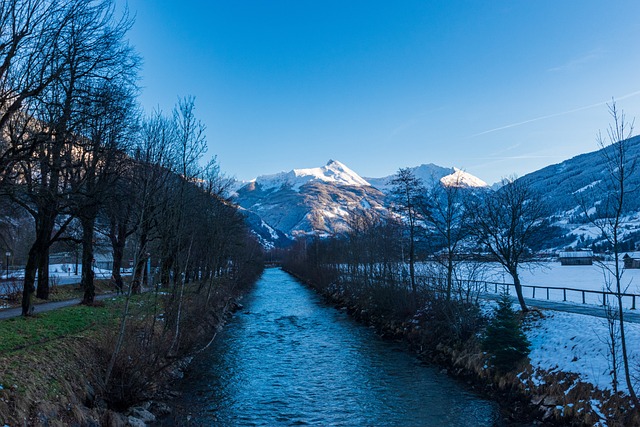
[582, 292]
[536, 291]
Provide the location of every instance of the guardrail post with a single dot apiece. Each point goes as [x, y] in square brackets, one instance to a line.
[583, 300]
[547, 293]
[604, 298]
[564, 294]
[534, 292]
[496, 288]
[633, 303]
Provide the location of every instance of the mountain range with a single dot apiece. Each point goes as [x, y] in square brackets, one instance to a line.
[320, 201]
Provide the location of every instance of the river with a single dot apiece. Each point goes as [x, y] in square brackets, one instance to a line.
[289, 359]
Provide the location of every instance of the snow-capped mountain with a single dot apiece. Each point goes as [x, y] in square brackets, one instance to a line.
[430, 175]
[317, 201]
[460, 178]
[323, 200]
[333, 172]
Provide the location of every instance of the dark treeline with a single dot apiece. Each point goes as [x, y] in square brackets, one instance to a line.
[79, 161]
[364, 271]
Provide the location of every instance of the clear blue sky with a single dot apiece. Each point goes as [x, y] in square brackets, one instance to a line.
[495, 87]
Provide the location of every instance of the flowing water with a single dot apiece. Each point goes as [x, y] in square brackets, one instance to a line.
[289, 359]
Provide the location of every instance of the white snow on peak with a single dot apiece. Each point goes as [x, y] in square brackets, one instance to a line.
[333, 171]
[459, 178]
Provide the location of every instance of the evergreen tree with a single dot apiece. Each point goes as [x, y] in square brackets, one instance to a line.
[504, 338]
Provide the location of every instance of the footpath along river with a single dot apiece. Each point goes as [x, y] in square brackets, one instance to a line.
[289, 359]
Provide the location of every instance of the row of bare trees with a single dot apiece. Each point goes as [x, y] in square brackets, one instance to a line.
[460, 221]
[79, 158]
[451, 224]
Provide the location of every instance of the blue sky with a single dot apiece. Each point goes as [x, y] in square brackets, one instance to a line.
[493, 87]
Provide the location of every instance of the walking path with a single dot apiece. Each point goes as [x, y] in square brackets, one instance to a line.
[9, 313]
[632, 316]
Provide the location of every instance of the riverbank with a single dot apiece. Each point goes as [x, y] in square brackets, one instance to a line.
[526, 394]
[53, 366]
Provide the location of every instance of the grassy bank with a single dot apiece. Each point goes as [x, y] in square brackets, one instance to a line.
[53, 365]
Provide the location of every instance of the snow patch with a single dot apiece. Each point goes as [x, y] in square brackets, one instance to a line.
[586, 187]
[271, 231]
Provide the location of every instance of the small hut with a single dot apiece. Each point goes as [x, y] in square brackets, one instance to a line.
[631, 260]
[576, 258]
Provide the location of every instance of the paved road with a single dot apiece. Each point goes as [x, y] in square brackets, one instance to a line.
[632, 316]
[8, 313]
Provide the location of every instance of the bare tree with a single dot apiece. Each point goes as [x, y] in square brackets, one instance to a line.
[407, 191]
[29, 33]
[505, 223]
[444, 213]
[32, 35]
[151, 174]
[620, 167]
[111, 121]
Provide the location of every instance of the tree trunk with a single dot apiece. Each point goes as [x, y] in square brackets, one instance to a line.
[43, 273]
[118, 241]
[518, 286]
[44, 228]
[165, 272]
[88, 284]
[449, 275]
[29, 281]
[141, 260]
[623, 339]
[412, 268]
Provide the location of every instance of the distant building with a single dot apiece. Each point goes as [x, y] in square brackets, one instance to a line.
[576, 258]
[631, 260]
[103, 260]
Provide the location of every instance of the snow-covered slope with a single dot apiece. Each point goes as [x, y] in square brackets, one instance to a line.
[430, 175]
[578, 184]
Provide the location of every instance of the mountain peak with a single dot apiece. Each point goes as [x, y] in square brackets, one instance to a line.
[333, 172]
[460, 178]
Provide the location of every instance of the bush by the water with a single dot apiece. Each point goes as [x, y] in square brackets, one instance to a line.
[504, 339]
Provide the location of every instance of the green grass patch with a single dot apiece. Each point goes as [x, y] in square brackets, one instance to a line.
[22, 332]
[67, 292]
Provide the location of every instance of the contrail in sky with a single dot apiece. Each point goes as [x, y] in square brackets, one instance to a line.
[554, 115]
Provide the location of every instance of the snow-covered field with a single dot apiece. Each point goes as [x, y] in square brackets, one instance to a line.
[577, 343]
[63, 271]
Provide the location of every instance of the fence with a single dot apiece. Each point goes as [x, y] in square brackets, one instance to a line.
[552, 293]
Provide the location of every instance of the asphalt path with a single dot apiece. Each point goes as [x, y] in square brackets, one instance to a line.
[9, 313]
[632, 316]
